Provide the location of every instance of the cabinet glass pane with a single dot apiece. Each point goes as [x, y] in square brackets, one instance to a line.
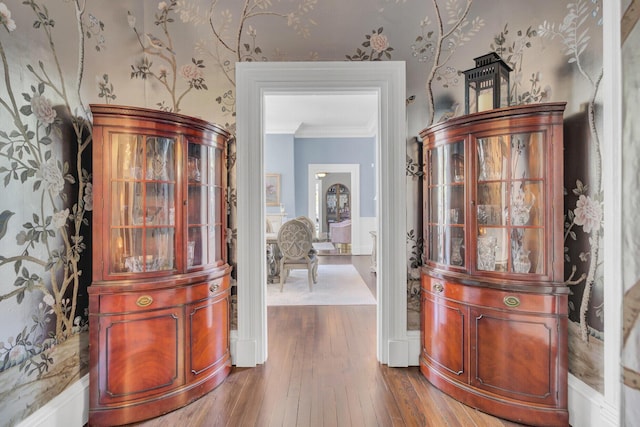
[456, 246]
[138, 250]
[491, 203]
[197, 246]
[456, 206]
[215, 247]
[492, 158]
[435, 245]
[128, 250]
[453, 163]
[527, 250]
[436, 166]
[524, 207]
[493, 245]
[197, 212]
[216, 159]
[527, 155]
[160, 209]
[127, 152]
[197, 164]
[126, 203]
[215, 194]
[160, 253]
[435, 206]
[160, 159]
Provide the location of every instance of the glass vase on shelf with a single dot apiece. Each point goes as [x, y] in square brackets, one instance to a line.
[456, 250]
[193, 166]
[487, 253]
[522, 263]
[521, 203]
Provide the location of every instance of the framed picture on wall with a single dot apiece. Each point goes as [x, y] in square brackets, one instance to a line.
[272, 188]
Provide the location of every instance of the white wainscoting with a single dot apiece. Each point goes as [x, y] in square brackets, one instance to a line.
[68, 409]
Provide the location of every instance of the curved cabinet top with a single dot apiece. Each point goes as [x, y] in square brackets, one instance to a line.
[102, 113]
[487, 118]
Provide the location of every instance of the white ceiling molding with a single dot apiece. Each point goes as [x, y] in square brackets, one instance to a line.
[321, 115]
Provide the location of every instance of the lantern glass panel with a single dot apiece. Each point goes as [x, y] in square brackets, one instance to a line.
[485, 99]
[504, 91]
[472, 106]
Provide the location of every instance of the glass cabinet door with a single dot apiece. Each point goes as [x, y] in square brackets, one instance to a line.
[142, 225]
[338, 203]
[445, 216]
[509, 194]
[204, 205]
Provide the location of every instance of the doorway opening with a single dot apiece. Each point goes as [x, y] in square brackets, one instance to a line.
[254, 81]
[315, 203]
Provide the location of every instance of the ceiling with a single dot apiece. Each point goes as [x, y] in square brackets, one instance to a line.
[325, 115]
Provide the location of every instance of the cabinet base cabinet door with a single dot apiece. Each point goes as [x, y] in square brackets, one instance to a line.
[141, 357]
[209, 345]
[443, 332]
[515, 356]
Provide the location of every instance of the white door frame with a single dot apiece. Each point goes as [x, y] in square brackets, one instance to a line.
[253, 81]
[354, 188]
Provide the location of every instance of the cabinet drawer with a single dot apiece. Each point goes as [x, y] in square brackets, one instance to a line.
[494, 298]
[208, 289]
[140, 301]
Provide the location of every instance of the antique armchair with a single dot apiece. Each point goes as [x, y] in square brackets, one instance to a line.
[295, 244]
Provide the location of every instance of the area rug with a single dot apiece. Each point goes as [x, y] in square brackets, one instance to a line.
[337, 285]
[323, 246]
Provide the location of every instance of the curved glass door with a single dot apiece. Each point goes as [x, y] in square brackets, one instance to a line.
[204, 205]
[142, 226]
[445, 216]
[510, 201]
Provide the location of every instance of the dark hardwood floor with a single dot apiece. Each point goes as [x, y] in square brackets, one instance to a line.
[322, 371]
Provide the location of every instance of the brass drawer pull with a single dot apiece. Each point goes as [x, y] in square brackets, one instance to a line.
[144, 301]
[214, 287]
[438, 287]
[511, 301]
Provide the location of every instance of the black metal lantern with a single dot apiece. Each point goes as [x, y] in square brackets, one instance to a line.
[486, 85]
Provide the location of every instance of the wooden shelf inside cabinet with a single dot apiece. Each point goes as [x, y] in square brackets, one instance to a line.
[159, 301]
[494, 306]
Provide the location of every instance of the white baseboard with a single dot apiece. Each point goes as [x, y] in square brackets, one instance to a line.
[414, 347]
[233, 340]
[68, 409]
[588, 408]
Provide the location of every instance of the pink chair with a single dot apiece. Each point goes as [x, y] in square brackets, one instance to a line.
[340, 232]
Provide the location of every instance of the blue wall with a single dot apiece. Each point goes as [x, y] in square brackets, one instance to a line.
[360, 151]
[278, 158]
[291, 157]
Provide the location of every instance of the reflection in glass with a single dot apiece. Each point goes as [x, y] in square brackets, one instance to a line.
[160, 158]
[492, 153]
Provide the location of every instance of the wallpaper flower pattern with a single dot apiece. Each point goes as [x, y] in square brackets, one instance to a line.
[180, 56]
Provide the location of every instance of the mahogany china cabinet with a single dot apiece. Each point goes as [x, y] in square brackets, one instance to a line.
[159, 299]
[494, 306]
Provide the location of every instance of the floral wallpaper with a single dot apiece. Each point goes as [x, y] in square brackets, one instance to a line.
[180, 56]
